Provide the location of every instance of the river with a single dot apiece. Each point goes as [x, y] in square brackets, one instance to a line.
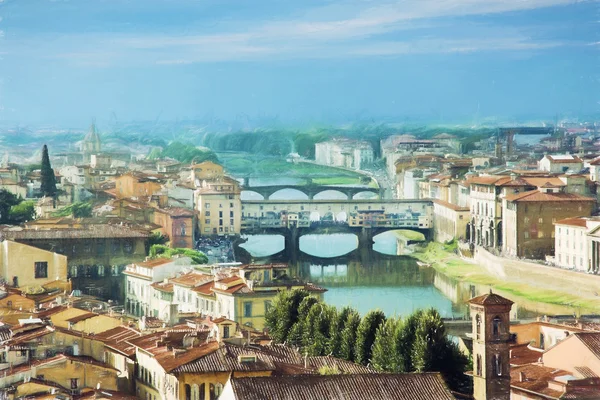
[367, 279]
[383, 277]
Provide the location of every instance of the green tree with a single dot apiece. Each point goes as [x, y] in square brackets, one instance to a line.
[337, 327]
[157, 238]
[365, 335]
[22, 212]
[283, 313]
[404, 339]
[384, 348]
[430, 342]
[75, 210]
[317, 328]
[347, 347]
[7, 200]
[159, 250]
[296, 333]
[48, 179]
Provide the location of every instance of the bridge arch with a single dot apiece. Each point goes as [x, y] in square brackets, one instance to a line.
[249, 194]
[330, 194]
[288, 194]
[365, 194]
[341, 217]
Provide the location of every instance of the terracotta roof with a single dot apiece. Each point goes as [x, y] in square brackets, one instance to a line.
[537, 196]
[591, 340]
[488, 180]
[82, 317]
[522, 354]
[416, 386]
[535, 378]
[490, 299]
[163, 287]
[450, 205]
[578, 221]
[117, 338]
[156, 262]
[88, 232]
[191, 279]
[233, 289]
[205, 289]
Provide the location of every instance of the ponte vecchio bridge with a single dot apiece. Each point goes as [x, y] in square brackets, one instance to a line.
[365, 218]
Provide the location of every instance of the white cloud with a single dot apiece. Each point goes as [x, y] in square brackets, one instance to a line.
[349, 28]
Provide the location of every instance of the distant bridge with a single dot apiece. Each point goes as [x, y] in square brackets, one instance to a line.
[311, 190]
[365, 218]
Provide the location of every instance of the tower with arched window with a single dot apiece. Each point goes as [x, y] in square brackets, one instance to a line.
[490, 314]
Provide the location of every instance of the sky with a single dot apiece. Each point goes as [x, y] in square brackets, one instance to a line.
[67, 61]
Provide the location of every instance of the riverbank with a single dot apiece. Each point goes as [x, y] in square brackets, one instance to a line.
[563, 291]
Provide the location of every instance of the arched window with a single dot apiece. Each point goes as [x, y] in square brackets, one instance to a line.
[497, 365]
[496, 326]
[218, 389]
[478, 365]
[478, 325]
[183, 229]
[188, 392]
[202, 391]
[211, 390]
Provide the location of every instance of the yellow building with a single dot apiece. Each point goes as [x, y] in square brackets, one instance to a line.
[219, 207]
[207, 170]
[136, 184]
[24, 265]
[84, 321]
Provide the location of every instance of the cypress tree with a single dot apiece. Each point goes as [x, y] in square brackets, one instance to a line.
[48, 180]
[384, 348]
[295, 335]
[430, 343]
[317, 328]
[348, 338]
[405, 337]
[337, 327]
[284, 314]
[365, 335]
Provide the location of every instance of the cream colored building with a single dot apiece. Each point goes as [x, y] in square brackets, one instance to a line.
[572, 243]
[24, 265]
[449, 221]
[220, 208]
[141, 298]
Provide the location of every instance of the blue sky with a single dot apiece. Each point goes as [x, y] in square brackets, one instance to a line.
[64, 62]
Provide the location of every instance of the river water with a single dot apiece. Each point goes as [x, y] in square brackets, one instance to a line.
[383, 277]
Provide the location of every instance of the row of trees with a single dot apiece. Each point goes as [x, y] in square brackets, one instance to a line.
[417, 343]
[160, 250]
[14, 210]
[185, 153]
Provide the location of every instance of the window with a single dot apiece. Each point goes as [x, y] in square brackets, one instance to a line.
[231, 205]
[478, 365]
[496, 325]
[207, 214]
[207, 205]
[230, 214]
[41, 269]
[183, 229]
[225, 331]
[526, 235]
[541, 220]
[231, 222]
[74, 383]
[247, 309]
[478, 325]
[497, 365]
[207, 222]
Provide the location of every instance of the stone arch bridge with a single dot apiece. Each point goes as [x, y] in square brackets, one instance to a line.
[311, 190]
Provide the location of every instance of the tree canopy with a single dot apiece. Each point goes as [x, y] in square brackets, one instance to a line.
[417, 343]
[185, 153]
[14, 210]
[79, 209]
[159, 250]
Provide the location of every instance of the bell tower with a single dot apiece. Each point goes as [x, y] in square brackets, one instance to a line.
[490, 316]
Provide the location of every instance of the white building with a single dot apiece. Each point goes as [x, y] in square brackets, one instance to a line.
[140, 296]
[572, 242]
[560, 163]
[345, 153]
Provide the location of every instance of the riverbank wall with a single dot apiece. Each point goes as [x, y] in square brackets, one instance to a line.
[540, 276]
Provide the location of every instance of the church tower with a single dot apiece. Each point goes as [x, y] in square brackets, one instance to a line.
[91, 143]
[490, 315]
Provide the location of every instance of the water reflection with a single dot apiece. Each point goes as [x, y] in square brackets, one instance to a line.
[367, 279]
